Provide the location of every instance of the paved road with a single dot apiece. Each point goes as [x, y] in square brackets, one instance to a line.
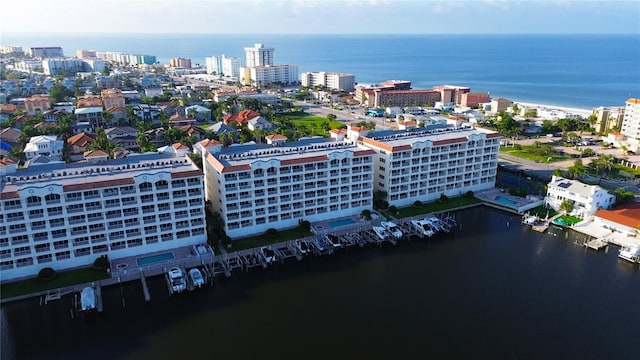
[545, 170]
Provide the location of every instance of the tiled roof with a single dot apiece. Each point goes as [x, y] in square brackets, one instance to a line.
[81, 140]
[276, 137]
[95, 153]
[627, 215]
[633, 101]
[241, 117]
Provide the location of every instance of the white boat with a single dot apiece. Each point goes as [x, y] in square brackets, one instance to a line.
[302, 246]
[392, 228]
[529, 219]
[176, 280]
[334, 240]
[381, 232]
[196, 277]
[424, 227]
[630, 253]
[87, 299]
[268, 254]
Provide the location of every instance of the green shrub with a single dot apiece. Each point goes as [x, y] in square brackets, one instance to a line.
[304, 225]
[101, 263]
[271, 233]
[392, 209]
[443, 198]
[469, 193]
[47, 274]
[417, 203]
[366, 214]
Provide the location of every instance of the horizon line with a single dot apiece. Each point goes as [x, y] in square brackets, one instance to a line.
[305, 34]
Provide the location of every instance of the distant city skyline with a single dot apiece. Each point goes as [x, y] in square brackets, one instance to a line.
[321, 17]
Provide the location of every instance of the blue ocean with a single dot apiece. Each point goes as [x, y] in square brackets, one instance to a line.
[582, 71]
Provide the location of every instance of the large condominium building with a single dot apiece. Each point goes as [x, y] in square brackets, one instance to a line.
[335, 81]
[631, 120]
[223, 65]
[66, 215]
[608, 118]
[126, 59]
[55, 66]
[181, 62]
[258, 55]
[257, 187]
[386, 98]
[421, 164]
[260, 76]
[45, 52]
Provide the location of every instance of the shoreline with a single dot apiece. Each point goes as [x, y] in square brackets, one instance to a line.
[579, 111]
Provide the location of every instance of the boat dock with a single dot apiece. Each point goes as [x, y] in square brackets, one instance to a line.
[596, 244]
[145, 288]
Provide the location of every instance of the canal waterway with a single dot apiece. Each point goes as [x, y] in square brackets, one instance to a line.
[495, 289]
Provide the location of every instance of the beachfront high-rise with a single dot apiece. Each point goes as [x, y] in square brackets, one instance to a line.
[631, 120]
[223, 65]
[66, 215]
[258, 55]
[330, 80]
[260, 70]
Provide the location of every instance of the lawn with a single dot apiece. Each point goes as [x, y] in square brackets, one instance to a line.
[525, 153]
[262, 239]
[567, 220]
[318, 123]
[542, 212]
[63, 279]
[435, 206]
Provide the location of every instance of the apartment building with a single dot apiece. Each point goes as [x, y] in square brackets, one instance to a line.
[631, 120]
[66, 215]
[181, 62]
[260, 76]
[258, 55]
[223, 65]
[608, 118]
[255, 187]
[586, 199]
[423, 163]
[45, 52]
[334, 81]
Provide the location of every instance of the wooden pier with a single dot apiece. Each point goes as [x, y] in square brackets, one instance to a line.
[145, 288]
[596, 244]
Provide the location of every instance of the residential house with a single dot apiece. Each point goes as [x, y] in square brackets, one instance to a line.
[201, 113]
[156, 136]
[89, 101]
[177, 120]
[259, 123]
[95, 157]
[45, 145]
[586, 199]
[241, 118]
[220, 128]
[147, 112]
[124, 137]
[37, 104]
[91, 115]
[78, 144]
[112, 98]
[206, 145]
[197, 133]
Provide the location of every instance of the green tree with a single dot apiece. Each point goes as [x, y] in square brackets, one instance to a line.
[102, 142]
[506, 124]
[331, 117]
[602, 165]
[566, 206]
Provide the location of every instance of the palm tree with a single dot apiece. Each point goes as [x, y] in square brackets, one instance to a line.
[603, 165]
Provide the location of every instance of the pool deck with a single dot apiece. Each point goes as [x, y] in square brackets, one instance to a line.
[519, 205]
[321, 227]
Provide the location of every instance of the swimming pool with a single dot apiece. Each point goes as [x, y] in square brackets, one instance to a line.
[342, 222]
[154, 258]
[505, 200]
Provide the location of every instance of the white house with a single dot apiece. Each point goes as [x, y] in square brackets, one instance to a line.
[586, 199]
[46, 145]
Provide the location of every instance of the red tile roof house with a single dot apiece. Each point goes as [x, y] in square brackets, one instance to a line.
[241, 118]
[624, 218]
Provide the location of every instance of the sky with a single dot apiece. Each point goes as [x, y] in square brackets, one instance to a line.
[320, 17]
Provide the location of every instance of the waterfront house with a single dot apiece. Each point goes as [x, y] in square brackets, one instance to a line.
[45, 145]
[586, 199]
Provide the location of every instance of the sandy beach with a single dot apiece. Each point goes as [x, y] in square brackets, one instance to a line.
[581, 112]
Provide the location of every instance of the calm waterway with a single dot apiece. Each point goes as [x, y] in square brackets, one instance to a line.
[494, 290]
